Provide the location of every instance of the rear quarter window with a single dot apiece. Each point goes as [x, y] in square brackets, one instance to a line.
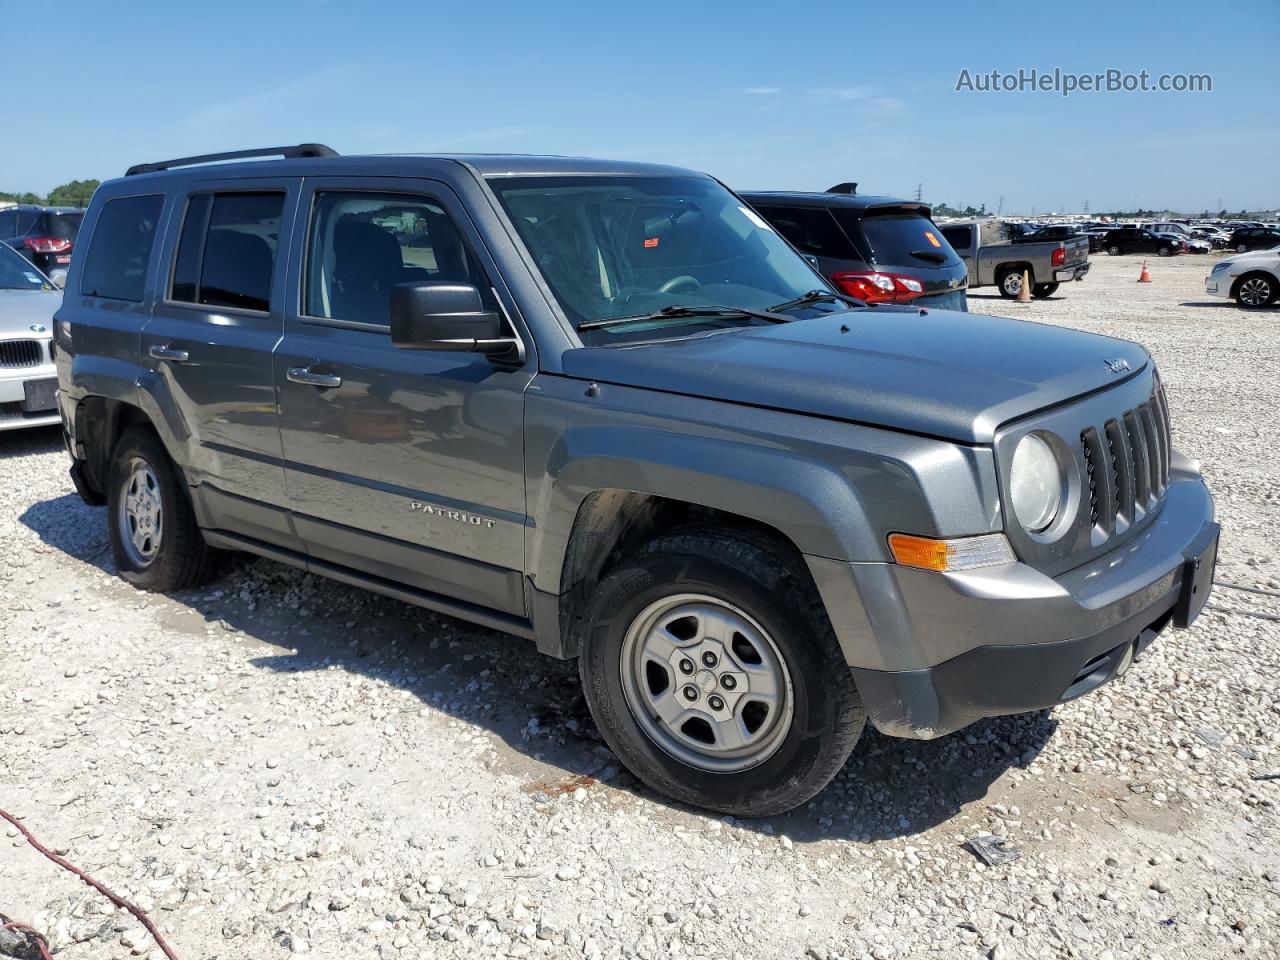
[120, 248]
[62, 226]
[811, 230]
[897, 238]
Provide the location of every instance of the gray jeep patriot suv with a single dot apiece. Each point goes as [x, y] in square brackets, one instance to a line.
[605, 407]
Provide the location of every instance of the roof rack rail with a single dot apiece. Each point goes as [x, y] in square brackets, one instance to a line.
[289, 153]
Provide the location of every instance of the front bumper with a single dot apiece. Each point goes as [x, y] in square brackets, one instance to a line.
[1071, 273]
[932, 653]
[26, 397]
[1218, 284]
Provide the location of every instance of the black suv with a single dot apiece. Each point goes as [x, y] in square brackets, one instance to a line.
[44, 235]
[1139, 240]
[1254, 238]
[877, 249]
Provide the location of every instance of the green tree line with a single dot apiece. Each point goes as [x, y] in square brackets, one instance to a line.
[73, 194]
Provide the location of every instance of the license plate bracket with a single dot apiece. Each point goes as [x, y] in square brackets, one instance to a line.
[1201, 558]
[40, 395]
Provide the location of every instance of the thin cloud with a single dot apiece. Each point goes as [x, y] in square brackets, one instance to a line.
[762, 91]
[838, 94]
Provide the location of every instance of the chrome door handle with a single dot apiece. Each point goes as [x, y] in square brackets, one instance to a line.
[312, 379]
[167, 352]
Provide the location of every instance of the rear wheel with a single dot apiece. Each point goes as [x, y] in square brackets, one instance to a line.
[1241, 248]
[1113, 250]
[155, 541]
[1010, 283]
[1044, 289]
[712, 671]
[1256, 290]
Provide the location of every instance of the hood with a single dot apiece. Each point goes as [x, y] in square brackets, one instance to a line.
[1252, 256]
[19, 309]
[938, 372]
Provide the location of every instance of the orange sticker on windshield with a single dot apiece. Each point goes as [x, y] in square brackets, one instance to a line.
[932, 238]
[650, 242]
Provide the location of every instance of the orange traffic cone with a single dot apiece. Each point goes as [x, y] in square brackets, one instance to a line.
[1145, 275]
[1024, 291]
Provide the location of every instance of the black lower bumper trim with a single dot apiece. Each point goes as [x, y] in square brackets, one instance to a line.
[90, 496]
[994, 681]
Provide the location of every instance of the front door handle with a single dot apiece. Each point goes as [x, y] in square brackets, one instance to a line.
[167, 352]
[313, 379]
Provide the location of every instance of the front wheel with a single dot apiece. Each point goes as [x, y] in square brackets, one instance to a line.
[1256, 290]
[712, 671]
[1044, 289]
[155, 541]
[1241, 248]
[1165, 252]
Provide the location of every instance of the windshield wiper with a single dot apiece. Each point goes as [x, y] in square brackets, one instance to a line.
[817, 296]
[677, 311]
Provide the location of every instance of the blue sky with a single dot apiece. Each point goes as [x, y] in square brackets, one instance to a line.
[763, 95]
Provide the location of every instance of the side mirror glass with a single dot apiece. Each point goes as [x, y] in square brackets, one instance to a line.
[439, 315]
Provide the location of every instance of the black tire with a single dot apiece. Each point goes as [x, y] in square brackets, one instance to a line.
[181, 559]
[1044, 289]
[769, 584]
[1008, 289]
[1256, 290]
[1241, 248]
[1164, 252]
[1113, 251]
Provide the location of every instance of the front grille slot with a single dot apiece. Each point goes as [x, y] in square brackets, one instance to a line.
[1121, 471]
[1096, 471]
[1126, 464]
[1141, 459]
[20, 353]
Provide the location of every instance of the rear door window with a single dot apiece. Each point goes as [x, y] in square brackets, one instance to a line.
[120, 248]
[61, 226]
[227, 250]
[897, 238]
[811, 230]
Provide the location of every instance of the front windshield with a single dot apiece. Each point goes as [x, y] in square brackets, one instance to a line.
[17, 273]
[623, 246]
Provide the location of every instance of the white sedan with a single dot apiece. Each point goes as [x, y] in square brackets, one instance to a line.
[28, 379]
[1251, 279]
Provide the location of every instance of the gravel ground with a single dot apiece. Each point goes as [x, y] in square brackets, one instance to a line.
[281, 764]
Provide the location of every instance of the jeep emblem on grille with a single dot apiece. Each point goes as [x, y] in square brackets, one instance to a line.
[1117, 366]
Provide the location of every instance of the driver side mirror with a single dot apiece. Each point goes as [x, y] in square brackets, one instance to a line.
[440, 315]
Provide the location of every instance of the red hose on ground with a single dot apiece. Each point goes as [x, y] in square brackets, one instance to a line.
[115, 898]
[35, 937]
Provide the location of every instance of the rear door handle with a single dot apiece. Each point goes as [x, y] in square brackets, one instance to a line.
[313, 379]
[167, 352]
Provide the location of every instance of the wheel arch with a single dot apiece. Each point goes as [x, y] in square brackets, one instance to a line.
[1264, 274]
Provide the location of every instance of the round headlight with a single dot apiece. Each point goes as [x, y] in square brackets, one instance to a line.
[1035, 484]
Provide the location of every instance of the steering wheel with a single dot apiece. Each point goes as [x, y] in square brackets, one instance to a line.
[684, 280]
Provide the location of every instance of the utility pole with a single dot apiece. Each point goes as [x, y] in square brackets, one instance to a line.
[1086, 208]
[919, 191]
[1000, 207]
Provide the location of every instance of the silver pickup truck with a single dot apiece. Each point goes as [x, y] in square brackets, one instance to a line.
[993, 256]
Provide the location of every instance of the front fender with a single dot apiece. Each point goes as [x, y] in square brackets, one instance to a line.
[833, 489]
